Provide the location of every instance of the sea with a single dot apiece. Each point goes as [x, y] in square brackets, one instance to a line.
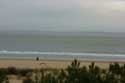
[99, 46]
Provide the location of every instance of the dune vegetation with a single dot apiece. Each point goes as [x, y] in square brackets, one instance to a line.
[74, 73]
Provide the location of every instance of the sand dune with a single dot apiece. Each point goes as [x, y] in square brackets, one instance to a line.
[33, 64]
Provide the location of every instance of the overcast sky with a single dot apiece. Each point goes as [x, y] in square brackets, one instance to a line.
[63, 15]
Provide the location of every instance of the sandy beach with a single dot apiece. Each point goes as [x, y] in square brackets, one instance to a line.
[54, 64]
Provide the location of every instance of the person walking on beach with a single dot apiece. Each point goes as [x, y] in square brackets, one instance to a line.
[37, 58]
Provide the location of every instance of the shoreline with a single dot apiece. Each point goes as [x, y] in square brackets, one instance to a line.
[93, 57]
[63, 59]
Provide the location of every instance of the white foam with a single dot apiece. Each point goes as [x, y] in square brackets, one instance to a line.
[63, 55]
[59, 53]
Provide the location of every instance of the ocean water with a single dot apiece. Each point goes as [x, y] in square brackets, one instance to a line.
[88, 46]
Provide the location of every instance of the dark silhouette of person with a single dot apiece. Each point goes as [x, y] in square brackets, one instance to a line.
[37, 58]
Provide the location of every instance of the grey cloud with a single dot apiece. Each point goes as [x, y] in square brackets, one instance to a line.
[71, 15]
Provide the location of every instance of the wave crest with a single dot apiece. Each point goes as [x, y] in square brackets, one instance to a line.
[57, 53]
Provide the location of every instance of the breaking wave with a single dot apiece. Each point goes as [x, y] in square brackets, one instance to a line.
[58, 53]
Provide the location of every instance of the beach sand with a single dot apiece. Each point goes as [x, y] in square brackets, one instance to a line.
[54, 64]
